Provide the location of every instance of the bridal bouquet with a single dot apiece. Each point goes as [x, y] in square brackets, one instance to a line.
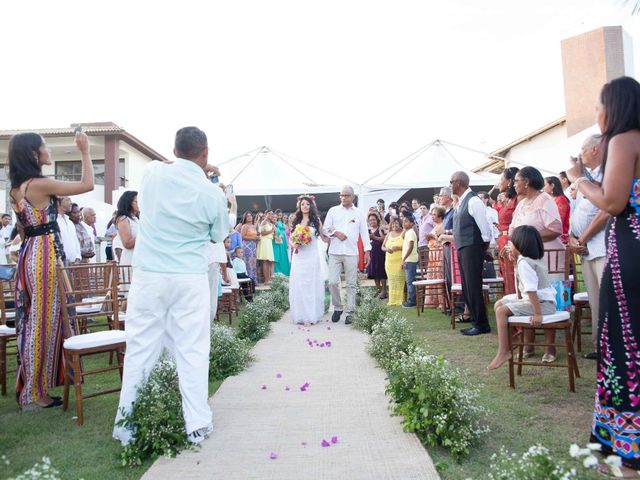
[300, 237]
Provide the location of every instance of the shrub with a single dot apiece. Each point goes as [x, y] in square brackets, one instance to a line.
[156, 418]
[280, 291]
[229, 354]
[370, 313]
[252, 325]
[390, 339]
[436, 402]
[535, 464]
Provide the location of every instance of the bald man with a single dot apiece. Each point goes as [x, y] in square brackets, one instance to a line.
[89, 224]
[471, 236]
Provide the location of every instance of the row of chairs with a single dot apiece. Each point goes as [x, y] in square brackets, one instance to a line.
[87, 292]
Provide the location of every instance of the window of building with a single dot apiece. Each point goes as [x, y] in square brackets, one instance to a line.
[71, 171]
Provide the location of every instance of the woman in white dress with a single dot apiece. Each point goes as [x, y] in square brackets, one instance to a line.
[127, 224]
[306, 282]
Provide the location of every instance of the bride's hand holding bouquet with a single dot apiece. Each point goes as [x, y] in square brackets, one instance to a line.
[300, 237]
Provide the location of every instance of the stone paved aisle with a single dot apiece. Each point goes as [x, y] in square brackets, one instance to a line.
[345, 398]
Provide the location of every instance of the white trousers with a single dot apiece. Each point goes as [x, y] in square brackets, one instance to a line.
[336, 265]
[168, 309]
[592, 275]
[214, 273]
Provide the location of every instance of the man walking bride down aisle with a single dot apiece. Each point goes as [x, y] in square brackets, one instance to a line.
[343, 224]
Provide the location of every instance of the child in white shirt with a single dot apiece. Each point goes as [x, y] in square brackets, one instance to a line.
[527, 251]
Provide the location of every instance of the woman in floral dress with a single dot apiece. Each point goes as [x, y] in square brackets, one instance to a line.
[38, 308]
[616, 420]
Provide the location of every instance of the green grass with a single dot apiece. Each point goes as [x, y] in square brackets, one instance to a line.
[540, 410]
[86, 452]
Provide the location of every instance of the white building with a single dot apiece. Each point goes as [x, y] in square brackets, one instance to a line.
[118, 160]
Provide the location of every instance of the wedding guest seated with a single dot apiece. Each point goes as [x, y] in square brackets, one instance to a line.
[240, 268]
[527, 251]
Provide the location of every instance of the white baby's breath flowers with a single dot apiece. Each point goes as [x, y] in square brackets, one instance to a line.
[613, 461]
[590, 461]
[574, 450]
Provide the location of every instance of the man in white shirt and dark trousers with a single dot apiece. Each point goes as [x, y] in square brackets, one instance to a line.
[587, 234]
[68, 236]
[343, 224]
[471, 235]
[169, 296]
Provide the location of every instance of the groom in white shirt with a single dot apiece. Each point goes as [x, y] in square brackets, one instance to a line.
[343, 224]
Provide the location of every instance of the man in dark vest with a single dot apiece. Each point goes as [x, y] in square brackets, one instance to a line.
[471, 235]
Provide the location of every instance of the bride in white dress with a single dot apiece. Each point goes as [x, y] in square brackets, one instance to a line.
[306, 281]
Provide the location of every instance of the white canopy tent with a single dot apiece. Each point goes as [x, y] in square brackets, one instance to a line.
[265, 177]
[430, 167]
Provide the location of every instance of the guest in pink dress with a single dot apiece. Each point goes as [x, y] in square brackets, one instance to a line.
[539, 210]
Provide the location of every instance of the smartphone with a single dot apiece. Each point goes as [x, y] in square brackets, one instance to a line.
[228, 189]
[78, 129]
[214, 179]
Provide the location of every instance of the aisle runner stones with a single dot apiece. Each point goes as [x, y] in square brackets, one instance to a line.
[334, 423]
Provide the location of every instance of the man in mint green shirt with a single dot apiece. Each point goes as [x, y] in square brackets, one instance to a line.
[168, 305]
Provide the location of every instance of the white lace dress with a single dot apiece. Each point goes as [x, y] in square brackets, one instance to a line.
[306, 283]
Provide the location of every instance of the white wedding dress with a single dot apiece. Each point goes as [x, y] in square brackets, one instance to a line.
[306, 282]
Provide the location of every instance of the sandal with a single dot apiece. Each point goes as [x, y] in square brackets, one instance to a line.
[612, 471]
[548, 358]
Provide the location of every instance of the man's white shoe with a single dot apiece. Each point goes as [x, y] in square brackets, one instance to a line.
[200, 434]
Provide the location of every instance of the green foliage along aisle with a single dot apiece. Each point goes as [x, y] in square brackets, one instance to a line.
[229, 355]
[156, 417]
[435, 399]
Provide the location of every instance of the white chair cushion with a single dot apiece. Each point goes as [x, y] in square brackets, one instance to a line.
[456, 287]
[4, 330]
[434, 281]
[493, 280]
[96, 339]
[93, 299]
[244, 280]
[226, 290]
[581, 297]
[559, 316]
[11, 314]
[571, 278]
[84, 309]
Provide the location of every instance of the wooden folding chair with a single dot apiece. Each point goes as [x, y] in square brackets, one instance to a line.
[560, 320]
[86, 281]
[456, 286]
[582, 308]
[7, 333]
[496, 284]
[101, 292]
[433, 282]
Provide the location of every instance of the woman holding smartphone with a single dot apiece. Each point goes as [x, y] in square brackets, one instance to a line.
[38, 309]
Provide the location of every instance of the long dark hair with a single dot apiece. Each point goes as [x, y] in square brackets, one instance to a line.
[621, 101]
[314, 217]
[124, 204]
[556, 185]
[24, 152]
[510, 175]
[244, 218]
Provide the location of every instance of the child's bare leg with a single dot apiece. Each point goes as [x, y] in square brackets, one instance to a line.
[503, 354]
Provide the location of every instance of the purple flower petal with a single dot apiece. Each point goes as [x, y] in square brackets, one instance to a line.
[303, 389]
[325, 443]
[263, 387]
[334, 439]
[306, 385]
[278, 375]
[321, 345]
[273, 455]
[287, 388]
[327, 343]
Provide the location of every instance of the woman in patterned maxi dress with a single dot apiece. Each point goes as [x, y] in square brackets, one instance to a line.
[616, 420]
[38, 309]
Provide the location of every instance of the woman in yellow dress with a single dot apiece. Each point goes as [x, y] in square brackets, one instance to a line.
[265, 246]
[392, 245]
